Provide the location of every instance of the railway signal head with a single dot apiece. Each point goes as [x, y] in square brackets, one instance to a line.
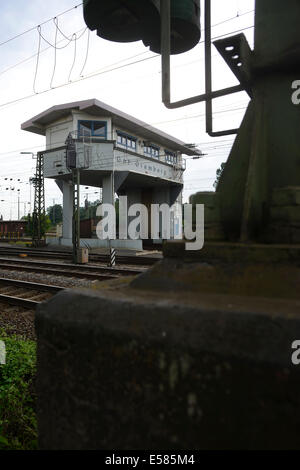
[134, 20]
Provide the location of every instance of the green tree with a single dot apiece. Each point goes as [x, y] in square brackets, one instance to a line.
[219, 174]
[55, 214]
[89, 210]
[28, 219]
[45, 224]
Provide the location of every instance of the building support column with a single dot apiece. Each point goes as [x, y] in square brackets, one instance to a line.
[67, 209]
[107, 189]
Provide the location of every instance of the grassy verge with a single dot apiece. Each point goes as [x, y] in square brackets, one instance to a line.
[21, 243]
[18, 428]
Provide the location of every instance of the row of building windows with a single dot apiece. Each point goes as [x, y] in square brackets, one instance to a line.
[99, 129]
[126, 140]
[149, 149]
[171, 157]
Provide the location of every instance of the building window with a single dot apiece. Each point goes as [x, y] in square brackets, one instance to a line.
[171, 157]
[151, 150]
[92, 129]
[126, 140]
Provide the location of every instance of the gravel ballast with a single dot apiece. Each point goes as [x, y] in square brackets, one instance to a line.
[19, 321]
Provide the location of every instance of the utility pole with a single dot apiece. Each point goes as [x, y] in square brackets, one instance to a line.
[30, 185]
[39, 201]
[53, 211]
[10, 202]
[76, 213]
[112, 251]
[72, 164]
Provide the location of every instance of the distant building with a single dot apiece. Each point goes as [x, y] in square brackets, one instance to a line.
[146, 163]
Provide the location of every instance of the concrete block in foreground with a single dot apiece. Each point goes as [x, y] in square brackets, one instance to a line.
[137, 371]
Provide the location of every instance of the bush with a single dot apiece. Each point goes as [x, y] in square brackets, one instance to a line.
[45, 224]
[18, 429]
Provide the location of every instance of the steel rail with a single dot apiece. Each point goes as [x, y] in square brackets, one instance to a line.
[53, 270]
[73, 269]
[121, 259]
[31, 286]
[18, 301]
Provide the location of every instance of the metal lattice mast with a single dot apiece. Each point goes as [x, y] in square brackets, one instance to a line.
[72, 165]
[76, 213]
[39, 201]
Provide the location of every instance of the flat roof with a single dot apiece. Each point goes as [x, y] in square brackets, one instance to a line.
[39, 123]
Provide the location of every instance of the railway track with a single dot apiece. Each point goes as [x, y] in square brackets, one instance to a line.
[102, 258]
[70, 270]
[29, 294]
[25, 294]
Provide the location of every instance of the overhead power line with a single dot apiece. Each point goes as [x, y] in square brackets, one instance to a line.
[202, 115]
[55, 20]
[41, 24]
[239, 15]
[75, 38]
[95, 74]
[34, 55]
[74, 81]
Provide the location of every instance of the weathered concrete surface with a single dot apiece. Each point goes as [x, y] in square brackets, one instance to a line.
[265, 155]
[288, 196]
[255, 280]
[124, 368]
[235, 252]
[270, 271]
[212, 218]
[284, 221]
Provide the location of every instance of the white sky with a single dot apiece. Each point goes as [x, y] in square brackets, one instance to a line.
[135, 89]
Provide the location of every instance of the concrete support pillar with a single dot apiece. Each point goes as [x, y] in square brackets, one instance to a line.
[161, 195]
[107, 196]
[133, 197]
[67, 209]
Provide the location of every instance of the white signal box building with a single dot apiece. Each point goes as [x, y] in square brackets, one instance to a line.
[114, 151]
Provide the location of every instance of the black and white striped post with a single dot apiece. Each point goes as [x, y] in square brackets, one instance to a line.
[112, 257]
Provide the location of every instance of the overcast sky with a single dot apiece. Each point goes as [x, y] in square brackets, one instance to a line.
[28, 88]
